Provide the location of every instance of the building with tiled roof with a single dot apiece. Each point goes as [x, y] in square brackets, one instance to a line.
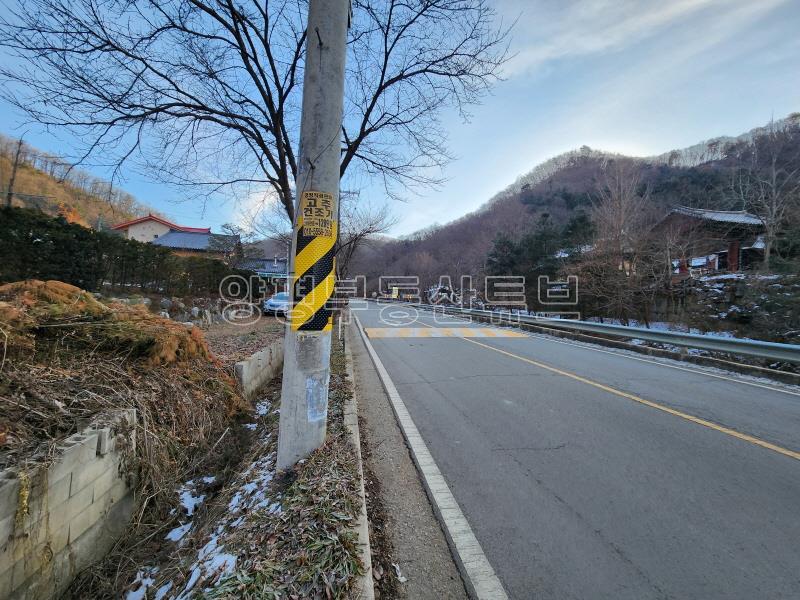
[152, 227]
[708, 240]
[186, 241]
[738, 217]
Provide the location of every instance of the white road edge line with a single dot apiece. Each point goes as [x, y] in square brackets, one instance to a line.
[479, 577]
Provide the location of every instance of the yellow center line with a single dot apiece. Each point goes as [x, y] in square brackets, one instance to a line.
[650, 403]
[691, 418]
[547, 338]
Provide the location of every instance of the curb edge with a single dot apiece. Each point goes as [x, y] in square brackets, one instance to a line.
[367, 591]
[478, 575]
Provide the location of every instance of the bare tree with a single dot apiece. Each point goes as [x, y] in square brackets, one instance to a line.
[766, 178]
[620, 209]
[623, 271]
[359, 223]
[208, 91]
[267, 218]
[116, 202]
[14, 167]
[233, 244]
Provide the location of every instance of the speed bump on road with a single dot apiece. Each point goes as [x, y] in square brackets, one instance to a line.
[440, 332]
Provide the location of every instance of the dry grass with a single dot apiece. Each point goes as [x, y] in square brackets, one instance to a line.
[309, 549]
[68, 358]
[87, 207]
[44, 312]
[306, 549]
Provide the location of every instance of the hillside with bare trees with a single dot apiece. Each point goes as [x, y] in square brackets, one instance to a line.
[48, 183]
[558, 208]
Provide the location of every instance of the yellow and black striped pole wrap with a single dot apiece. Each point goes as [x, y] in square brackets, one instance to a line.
[314, 263]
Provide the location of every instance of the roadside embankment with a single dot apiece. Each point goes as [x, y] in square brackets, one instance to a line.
[181, 496]
[265, 534]
[70, 363]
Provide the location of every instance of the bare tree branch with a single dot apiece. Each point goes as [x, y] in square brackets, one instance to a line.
[766, 178]
[208, 92]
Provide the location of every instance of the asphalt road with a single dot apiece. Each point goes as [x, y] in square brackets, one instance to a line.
[585, 473]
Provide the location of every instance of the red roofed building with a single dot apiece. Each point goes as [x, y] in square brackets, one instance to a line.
[151, 227]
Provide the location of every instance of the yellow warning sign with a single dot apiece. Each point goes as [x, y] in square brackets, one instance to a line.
[317, 210]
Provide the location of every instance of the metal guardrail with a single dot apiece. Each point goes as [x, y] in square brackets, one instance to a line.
[755, 348]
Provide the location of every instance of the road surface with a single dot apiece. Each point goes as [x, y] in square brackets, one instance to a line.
[592, 473]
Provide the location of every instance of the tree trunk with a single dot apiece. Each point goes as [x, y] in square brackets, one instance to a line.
[10, 194]
[767, 252]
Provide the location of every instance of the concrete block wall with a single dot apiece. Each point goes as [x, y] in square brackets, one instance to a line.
[59, 518]
[262, 366]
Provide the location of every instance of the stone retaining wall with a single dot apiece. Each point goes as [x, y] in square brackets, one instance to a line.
[58, 519]
[262, 366]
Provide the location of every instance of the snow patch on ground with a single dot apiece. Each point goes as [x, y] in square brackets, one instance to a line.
[663, 326]
[144, 579]
[723, 277]
[248, 493]
[670, 362]
[212, 564]
[177, 534]
[163, 591]
[190, 498]
[252, 494]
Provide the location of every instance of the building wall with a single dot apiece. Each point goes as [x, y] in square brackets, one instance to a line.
[57, 519]
[146, 231]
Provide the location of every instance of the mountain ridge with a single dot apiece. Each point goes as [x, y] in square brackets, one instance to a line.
[689, 156]
[556, 190]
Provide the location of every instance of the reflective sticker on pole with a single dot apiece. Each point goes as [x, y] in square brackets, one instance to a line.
[314, 263]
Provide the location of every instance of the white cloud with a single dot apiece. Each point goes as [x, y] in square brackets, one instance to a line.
[254, 207]
[681, 60]
[552, 31]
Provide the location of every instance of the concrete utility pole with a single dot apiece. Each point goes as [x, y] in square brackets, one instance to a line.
[307, 349]
[10, 194]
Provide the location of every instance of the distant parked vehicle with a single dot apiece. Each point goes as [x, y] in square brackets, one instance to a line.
[277, 304]
[441, 294]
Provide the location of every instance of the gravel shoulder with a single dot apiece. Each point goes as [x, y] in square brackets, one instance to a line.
[405, 531]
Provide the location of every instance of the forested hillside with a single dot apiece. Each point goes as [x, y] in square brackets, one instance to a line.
[48, 183]
[551, 207]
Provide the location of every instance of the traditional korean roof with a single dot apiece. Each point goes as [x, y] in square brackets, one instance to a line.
[202, 241]
[720, 216]
[169, 224]
[271, 266]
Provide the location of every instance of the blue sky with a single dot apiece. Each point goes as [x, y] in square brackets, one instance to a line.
[634, 76]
